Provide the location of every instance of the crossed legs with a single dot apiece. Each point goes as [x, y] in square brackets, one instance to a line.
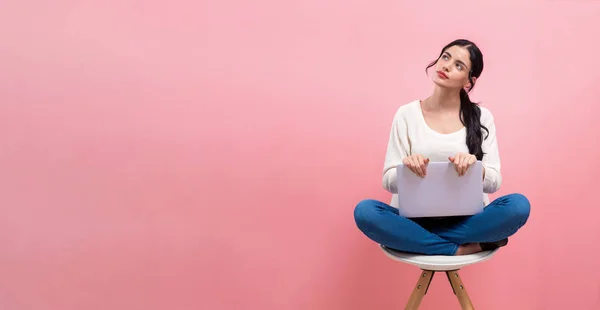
[448, 236]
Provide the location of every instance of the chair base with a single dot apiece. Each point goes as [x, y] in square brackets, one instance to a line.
[423, 285]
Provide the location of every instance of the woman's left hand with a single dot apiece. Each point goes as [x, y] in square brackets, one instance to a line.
[462, 162]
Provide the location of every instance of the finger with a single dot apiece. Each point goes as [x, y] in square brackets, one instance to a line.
[406, 162]
[411, 165]
[417, 163]
[456, 162]
[418, 166]
[473, 160]
[464, 165]
[470, 161]
[422, 165]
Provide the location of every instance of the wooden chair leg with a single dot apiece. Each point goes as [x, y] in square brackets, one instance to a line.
[420, 290]
[459, 290]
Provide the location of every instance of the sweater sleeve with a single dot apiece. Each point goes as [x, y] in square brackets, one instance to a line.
[396, 151]
[491, 159]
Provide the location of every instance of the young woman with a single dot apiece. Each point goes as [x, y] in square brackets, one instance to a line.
[446, 126]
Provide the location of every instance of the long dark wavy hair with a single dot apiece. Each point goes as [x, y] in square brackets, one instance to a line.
[470, 112]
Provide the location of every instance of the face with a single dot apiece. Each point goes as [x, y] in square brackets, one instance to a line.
[452, 68]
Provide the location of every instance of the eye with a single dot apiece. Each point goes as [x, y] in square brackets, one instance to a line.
[445, 57]
[459, 66]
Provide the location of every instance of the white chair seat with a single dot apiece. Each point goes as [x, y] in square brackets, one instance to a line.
[438, 262]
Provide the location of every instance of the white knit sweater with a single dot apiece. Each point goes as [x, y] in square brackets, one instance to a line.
[410, 134]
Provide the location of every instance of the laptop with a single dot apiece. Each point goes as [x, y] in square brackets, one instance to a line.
[441, 192]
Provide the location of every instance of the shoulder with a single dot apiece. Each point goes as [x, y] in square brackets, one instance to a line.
[486, 115]
[406, 111]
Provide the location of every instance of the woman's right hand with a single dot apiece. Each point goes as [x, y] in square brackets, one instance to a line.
[417, 164]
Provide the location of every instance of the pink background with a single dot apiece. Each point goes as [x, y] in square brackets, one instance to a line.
[173, 155]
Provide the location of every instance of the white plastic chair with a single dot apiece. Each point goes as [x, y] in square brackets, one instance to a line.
[430, 264]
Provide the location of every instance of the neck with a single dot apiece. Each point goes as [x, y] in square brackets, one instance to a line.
[444, 99]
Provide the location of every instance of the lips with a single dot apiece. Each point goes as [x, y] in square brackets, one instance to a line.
[442, 74]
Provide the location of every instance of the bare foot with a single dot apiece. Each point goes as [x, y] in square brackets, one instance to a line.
[469, 248]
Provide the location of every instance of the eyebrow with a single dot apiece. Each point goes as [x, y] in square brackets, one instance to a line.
[462, 63]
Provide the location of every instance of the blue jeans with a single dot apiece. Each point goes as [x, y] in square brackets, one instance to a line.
[441, 236]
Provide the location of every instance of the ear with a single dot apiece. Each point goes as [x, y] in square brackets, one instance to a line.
[467, 86]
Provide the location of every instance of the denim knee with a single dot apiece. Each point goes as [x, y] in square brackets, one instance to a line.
[363, 212]
[520, 207]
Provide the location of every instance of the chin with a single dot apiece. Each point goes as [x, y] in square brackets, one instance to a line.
[440, 83]
[443, 83]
